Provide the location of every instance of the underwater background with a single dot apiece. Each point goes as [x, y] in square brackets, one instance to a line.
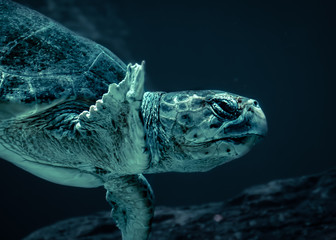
[281, 53]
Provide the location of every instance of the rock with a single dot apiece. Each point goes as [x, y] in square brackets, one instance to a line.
[298, 208]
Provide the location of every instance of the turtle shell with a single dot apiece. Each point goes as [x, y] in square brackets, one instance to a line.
[43, 64]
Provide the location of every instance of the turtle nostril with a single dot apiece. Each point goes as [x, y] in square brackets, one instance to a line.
[256, 103]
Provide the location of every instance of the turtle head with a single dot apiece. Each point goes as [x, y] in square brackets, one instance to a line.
[199, 130]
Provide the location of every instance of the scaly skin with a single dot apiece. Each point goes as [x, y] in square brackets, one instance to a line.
[195, 131]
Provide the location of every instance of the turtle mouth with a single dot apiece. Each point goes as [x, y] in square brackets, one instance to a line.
[235, 140]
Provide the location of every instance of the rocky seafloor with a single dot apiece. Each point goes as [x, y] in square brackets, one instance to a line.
[297, 208]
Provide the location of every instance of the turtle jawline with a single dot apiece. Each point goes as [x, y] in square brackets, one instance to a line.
[239, 139]
[235, 140]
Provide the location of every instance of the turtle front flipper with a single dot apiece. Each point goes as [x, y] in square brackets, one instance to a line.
[115, 126]
[131, 198]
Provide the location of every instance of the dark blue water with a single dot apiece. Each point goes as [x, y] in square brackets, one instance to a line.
[281, 54]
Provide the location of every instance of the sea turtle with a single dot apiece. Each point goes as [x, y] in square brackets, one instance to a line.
[73, 113]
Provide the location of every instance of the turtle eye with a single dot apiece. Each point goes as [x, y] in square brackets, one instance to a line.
[224, 108]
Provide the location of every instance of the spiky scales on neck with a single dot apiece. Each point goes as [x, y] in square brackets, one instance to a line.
[114, 125]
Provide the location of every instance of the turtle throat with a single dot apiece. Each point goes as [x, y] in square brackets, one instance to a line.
[156, 139]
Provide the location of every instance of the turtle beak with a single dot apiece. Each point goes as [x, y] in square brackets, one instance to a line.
[251, 122]
[258, 119]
